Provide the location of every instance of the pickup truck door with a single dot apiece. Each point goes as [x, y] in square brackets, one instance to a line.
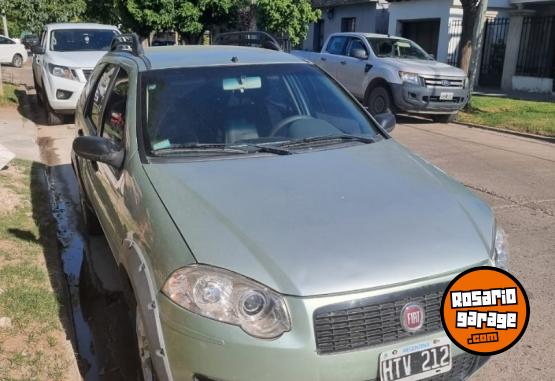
[352, 70]
[333, 54]
[38, 60]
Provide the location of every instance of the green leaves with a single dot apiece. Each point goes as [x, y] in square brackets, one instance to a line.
[286, 17]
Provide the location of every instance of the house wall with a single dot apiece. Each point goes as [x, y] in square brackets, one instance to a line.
[367, 18]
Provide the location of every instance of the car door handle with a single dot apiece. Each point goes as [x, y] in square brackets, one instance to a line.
[323, 58]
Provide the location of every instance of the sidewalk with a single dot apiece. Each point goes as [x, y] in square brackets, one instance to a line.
[18, 134]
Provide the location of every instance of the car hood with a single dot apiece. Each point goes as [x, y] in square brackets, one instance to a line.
[326, 222]
[424, 67]
[79, 59]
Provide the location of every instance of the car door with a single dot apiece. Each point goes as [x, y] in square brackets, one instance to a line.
[352, 70]
[331, 57]
[101, 183]
[7, 49]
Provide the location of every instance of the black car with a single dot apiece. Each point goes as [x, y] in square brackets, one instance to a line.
[30, 40]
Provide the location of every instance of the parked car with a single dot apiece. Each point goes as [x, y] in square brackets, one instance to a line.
[390, 73]
[163, 42]
[63, 62]
[268, 226]
[30, 40]
[12, 52]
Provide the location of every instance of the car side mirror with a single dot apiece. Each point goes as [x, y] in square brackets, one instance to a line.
[386, 120]
[361, 54]
[37, 49]
[99, 149]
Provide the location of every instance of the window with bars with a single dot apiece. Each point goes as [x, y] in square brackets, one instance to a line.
[536, 57]
[348, 24]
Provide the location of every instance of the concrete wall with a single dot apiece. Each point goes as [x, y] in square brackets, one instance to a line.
[367, 18]
[532, 84]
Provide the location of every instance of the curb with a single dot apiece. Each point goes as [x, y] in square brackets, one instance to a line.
[547, 139]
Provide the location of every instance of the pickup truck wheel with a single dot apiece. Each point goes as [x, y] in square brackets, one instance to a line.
[38, 91]
[17, 60]
[378, 100]
[444, 118]
[53, 118]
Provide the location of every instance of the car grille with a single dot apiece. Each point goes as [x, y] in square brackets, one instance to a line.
[87, 74]
[462, 366]
[374, 321]
[435, 98]
[453, 82]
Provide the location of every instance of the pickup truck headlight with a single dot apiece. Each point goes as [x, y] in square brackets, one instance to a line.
[410, 78]
[230, 298]
[500, 252]
[62, 72]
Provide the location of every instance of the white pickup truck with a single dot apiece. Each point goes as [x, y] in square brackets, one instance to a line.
[394, 74]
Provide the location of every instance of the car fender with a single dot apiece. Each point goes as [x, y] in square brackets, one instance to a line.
[141, 279]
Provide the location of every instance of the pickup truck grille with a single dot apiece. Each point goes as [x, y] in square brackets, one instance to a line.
[374, 321]
[453, 82]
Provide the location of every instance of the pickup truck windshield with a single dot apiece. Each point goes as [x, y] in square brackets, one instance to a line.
[227, 106]
[72, 40]
[393, 47]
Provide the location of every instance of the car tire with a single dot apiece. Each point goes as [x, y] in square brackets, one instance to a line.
[17, 60]
[378, 100]
[143, 349]
[444, 118]
[38, 91]
[91, 225]
[53, 118]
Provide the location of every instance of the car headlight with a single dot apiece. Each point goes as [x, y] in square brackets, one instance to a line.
[410, 78]
[500, 252]
[62, 72]
[230, 298]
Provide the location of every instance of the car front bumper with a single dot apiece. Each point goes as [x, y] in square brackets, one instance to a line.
[63, 106]
[210, 350]
[425, 100]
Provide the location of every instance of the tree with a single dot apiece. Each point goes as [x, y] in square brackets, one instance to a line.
[31, 15]
[470, 31]
[286, 17]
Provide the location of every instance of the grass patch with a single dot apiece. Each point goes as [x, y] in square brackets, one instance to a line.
[511, 114]
[9, 97]
[33, 347]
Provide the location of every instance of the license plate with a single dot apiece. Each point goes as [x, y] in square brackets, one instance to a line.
[446, 96]
[416, 362]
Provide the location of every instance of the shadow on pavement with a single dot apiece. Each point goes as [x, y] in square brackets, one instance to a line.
[99, 324]
[30, 108]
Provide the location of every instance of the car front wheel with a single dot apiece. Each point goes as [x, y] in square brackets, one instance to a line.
[17, 60]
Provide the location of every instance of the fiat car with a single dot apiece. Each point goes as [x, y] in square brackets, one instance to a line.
[269, 228]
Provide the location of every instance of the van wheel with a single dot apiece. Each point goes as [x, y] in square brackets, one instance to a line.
[444, 118]
[17, 60]
[378, 100]
[145, 354]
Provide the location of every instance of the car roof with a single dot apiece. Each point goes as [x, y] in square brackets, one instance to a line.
[79, 26]
[370, 35]
[165, 57]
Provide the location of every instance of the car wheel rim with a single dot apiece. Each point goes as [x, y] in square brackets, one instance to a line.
[144, 350]
[17, 61]
[379, 105]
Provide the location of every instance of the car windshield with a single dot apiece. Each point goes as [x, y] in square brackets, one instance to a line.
[393, 47]
[71, 40]
[229, 106]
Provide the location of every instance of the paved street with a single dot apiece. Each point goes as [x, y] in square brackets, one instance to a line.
[516, 176]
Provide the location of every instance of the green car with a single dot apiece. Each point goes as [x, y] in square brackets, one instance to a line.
[268, 226]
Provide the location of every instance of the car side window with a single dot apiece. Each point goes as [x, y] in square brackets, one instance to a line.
[6, 41]
[337, 45]
[356, 44]
[94, 112]
[115, 110]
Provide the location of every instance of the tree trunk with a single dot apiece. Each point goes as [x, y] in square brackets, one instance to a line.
[470, 13]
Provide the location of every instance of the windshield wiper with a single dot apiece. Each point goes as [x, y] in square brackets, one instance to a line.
[191, 147]
[326, 138]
